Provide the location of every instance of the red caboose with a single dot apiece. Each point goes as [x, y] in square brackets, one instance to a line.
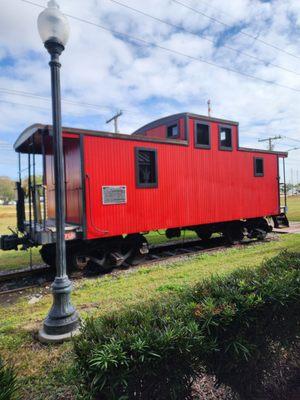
[184, 171]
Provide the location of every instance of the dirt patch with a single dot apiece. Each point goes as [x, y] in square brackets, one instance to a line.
[293, 228]
[205, 388]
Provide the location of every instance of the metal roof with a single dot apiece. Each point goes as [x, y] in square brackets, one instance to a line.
[34, 132]
[170, 118]
[22, 144]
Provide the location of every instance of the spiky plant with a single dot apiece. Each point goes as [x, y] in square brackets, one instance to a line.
[8, 382]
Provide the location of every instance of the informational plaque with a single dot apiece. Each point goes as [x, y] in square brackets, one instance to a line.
[114, 195]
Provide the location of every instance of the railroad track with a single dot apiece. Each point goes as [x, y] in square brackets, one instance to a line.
[39, 275]
[20, 273]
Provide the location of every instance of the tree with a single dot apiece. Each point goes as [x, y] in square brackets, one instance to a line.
[38, 181]
[7, 186]
[288, 186]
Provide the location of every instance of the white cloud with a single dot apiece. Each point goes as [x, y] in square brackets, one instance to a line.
[102, 69]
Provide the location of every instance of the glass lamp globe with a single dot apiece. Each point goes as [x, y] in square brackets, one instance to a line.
[53, 25]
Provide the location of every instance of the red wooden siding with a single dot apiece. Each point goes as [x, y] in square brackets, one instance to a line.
[195, 186]
[161, 131]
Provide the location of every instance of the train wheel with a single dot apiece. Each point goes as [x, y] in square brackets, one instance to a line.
[262, 229]
[261, 234]
[107, 255]
[203, 234]
[258, 228]
[234, 233]
[77, 258]
[99, 259]
[48, 254]
[138, 248]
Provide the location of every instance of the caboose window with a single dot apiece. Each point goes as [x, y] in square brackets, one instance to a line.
[146, 167]
[225, 138]
[172, 131]
[202, 135]
[258, 166]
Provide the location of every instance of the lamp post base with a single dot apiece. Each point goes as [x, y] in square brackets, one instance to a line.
[53, 339]
[62, 320]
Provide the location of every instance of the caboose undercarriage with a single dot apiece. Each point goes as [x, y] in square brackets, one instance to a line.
[109, 253]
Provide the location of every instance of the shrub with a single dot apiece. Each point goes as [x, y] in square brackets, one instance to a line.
[8, 382]
[224, 326]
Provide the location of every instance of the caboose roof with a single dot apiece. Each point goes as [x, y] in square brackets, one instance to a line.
[170, 118]
[33, 134]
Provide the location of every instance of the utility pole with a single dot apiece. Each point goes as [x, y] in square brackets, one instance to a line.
[270, 140]
[115, 119]
[209, 107]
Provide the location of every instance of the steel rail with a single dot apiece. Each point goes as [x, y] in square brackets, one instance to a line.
[21, 273]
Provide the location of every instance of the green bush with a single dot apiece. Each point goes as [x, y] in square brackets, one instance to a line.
[224, 326]
[8, 382]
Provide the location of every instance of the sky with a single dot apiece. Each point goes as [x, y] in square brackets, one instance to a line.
[198, 47]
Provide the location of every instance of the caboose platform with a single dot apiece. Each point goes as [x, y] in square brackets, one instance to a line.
[45, 232]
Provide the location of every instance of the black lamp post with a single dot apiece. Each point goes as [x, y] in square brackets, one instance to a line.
[62, 320]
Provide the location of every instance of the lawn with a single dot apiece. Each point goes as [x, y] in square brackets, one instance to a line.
[14, 259]
[294, 208]
[46, 371]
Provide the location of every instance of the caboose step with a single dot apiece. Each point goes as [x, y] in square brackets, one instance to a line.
[280, 221]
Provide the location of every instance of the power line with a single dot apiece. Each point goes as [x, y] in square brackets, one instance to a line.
[7, 149]
[215, 8]
[289, 138]
[203, 37]
[5, 146]
[178, 53]
[23, 105]
[218, 21]
[42, 108]
[41, 97]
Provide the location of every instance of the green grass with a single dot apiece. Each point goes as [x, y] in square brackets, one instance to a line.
[46, 372]
[7, 218]
[294, 208]
[159, 237]
[10, 260]
[14, 259]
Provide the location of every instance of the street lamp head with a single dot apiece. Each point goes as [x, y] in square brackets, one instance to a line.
[53, 26]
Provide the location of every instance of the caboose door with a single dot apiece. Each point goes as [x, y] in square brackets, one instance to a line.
[73, 180]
